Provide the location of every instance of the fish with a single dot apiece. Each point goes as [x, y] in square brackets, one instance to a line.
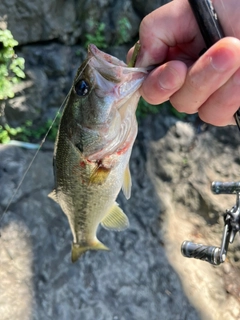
[93, 146]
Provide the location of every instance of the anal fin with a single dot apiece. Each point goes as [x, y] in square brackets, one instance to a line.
[115, 219]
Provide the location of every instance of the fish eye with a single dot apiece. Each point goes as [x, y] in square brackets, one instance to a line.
[82, 88]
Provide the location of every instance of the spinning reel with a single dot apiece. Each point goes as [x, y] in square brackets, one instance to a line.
[212, 254]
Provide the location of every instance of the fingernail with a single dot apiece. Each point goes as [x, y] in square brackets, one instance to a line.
[220, 61]
[169, 79]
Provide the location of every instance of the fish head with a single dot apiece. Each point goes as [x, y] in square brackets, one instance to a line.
[102, 92]
[102, 85]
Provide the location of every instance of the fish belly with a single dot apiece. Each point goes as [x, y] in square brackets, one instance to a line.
[86, 200]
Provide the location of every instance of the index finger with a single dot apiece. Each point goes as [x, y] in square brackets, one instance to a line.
[169, 26]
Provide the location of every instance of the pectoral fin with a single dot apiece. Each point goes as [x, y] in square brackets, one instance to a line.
[53, 195]
[127, 183]
[115, 219]
[99, 175]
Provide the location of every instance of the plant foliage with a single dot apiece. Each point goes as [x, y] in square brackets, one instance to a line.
[144, 108]
[28, 132]
[11, 66]
[98, 38]
[123, 27]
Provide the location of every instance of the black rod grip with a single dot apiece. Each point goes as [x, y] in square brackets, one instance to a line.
[207, 20]
[225, 187]
[210, 28]
[210, 254]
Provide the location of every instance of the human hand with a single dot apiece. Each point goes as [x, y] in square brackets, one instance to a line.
[209, 85]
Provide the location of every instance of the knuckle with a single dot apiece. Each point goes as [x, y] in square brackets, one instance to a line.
[145, 25]
[180, 105]
[195, 85]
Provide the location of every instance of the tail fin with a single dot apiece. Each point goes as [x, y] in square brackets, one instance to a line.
[78, 249]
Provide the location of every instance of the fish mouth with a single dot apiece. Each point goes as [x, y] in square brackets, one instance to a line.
[117, 84]
[113, 76]
[103, 57]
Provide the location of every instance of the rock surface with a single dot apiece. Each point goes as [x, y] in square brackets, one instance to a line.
[133, 281]
[50, 69]
[68, 21]
[144, 275]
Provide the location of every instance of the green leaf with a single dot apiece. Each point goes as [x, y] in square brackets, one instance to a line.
[11, 66]
[98, 38]
[144, 108]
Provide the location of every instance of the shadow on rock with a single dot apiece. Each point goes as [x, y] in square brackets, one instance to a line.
[132, 281]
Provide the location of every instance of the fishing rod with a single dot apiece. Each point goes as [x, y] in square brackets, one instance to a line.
[210, 28]
[212, 32]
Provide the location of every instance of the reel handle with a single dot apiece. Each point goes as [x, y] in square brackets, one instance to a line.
[210, 254]
[225, 187]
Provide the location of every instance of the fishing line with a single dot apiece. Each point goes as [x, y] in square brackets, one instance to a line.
[228, 18]
[40, 146]
[24, 175]
[31, 162]
[29, 166]
[237, 113]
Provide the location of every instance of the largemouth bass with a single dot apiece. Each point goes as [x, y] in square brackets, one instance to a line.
[93, 147]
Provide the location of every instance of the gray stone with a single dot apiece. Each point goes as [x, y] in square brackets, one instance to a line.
[67, 21]
[125, 22]
[29, 100]
[50, 70]
[32, 21]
